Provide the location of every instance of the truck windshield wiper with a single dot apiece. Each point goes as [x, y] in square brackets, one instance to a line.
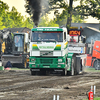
[50, 40]
[39, 41]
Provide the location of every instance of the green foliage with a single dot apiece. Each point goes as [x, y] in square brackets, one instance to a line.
[91, 70]
[28, 23]
[75, 14]
[98, 98]
[85, 8]
[28, 8]
[62, 18]
[71, 13]
[77, 19]
[89, 8]
[45, 22]
[12, 19]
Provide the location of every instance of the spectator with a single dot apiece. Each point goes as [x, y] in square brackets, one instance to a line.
[59, 38]
[39, 37]
[8, 65]
[72, 39]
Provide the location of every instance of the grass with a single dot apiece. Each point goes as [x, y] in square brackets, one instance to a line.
[19, 69]
[91, 70]
[98, 98]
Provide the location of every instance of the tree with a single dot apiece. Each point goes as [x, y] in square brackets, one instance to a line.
[45, 22]
[62, 18]
[3, 9]
[28, 23]
[77, 19]
[12, 19]
[89, 8]
[16, 17]
[56, 5]
[36, 9]
[85, 9]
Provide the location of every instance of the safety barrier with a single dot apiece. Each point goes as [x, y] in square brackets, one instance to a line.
[91, 93]
[55, 97]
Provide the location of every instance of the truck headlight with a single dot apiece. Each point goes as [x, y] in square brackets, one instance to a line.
[32, 59]
[33, 65]
[59, 60]
[59, 65]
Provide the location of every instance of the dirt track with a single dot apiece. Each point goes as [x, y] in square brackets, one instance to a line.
[20, 85]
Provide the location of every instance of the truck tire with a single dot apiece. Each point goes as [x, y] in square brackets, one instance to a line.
[78, 66]
[72, 69]
[64, 73]
[43, 72]
[96, 65]
[71, 73]
[24, 63]
[33, 73]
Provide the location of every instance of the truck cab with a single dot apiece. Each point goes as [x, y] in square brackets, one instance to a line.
[48, 50]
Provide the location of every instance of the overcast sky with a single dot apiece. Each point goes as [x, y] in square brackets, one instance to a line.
[19, 5]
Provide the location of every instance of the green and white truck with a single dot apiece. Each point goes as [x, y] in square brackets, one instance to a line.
[49, 52]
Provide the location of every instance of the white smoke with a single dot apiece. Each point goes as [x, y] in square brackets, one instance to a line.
[93, 37]
[45, 6]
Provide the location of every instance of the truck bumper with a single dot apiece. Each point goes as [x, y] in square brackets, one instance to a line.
[47, 69]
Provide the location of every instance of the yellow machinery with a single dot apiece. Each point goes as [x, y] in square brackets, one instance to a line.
[15, 48]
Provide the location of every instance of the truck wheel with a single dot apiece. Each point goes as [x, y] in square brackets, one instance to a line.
[71, 73]
[33, 73]
[64, 73]
[96, 65]
[43, 72]
[24, 64]
[81, 66]
[72, 69]
[78, 67]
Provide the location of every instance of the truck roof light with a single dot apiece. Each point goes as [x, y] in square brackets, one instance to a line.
[80, 26]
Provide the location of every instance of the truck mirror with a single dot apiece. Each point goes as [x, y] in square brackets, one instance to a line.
[29, 41]
[84, 39]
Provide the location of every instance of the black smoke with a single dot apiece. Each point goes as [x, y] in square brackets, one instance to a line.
[35, 10]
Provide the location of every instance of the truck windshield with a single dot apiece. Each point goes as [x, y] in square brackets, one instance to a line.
[47, 36]
[73, 39]
[18, 42]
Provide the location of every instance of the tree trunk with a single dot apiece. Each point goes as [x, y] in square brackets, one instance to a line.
[68, 25]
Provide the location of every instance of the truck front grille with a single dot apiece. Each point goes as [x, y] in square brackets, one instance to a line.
[46, 61]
